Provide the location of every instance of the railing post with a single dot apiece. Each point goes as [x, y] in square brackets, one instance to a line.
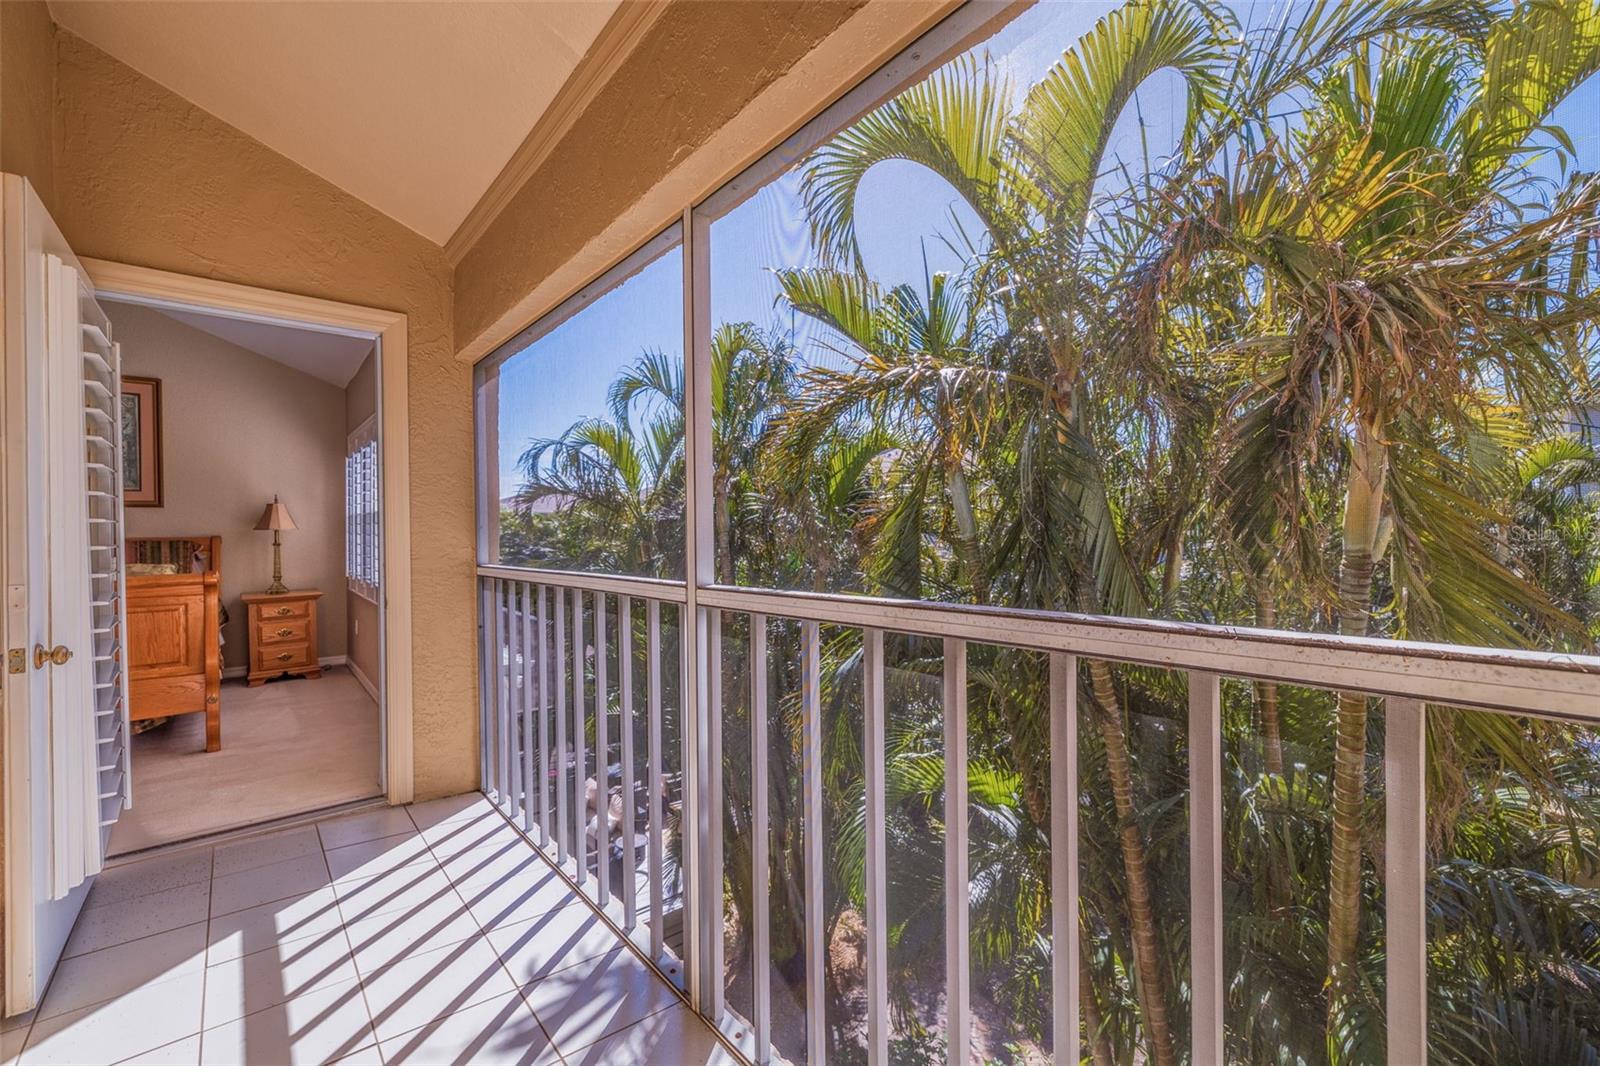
[957, 878]
[1064, 857]
[524, 625]
[580, 758]
[811, 774]
[1205, 866]
[1405, 851]
[563, 757]
[602, 756]
[761, 934]
[544, 720]
[654, 863]
[630, 852]
[876, 871]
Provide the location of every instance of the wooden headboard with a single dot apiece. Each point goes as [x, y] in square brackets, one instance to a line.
[201, 554]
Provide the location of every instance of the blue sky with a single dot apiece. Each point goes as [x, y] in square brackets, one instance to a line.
[902, 211]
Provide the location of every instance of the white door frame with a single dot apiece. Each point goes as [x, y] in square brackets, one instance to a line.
[161, 288]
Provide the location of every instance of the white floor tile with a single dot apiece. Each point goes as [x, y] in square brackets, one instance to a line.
[581, 1004]
[373, 857]
[487, 831]
[144, 876]
[500, 1031]
[401, 890]
[367, 1056]
[368, 825]
[254, 852]
[314, 1028]
[185, 1052]
[11, 1041]
[136, 1023]
[314, 915]
[281, 880]
[535, 949]
[515, 898]
[413, 992]
[464, 807]
[251, 983]
[99, 976]
[497, 861]
[675, 1035]
[431, 924]
[110, 924]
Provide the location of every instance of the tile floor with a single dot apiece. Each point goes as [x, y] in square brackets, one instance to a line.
[427, 934]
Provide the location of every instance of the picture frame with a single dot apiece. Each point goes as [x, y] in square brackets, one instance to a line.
[141, 442]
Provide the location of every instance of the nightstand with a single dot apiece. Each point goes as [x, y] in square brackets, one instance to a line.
[283, 634]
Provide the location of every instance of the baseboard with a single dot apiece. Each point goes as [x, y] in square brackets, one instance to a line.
[362, 679]
[231, 672]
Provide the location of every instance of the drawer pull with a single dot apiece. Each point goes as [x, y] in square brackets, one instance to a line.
[284, 657]
[285, 631]
[285, 610]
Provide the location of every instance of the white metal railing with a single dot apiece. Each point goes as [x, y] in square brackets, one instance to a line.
[520, 705]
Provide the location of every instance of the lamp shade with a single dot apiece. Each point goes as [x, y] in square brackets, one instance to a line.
[275, 517]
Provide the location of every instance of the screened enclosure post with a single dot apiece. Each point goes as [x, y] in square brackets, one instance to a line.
[544, 720]
[957, 950]
[811, 814]
[1405, 864]
[702, 737]
[1064, 857]
[761, 940]
[630, 853]
[563, 760]
[653, 857]
[602, 756]
[498, 644]
[876, 871]
[525, 627]
[580, 756]
[1205, 865]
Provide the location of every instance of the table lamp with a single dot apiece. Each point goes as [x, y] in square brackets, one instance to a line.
[276, 518]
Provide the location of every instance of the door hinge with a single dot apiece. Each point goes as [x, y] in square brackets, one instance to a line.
[17, 661]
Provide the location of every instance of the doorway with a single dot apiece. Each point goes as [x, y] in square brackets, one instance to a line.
[309, 720]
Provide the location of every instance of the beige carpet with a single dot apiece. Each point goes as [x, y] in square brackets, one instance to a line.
[288, 747]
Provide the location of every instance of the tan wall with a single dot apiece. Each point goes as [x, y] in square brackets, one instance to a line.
[27, 91]
[700, 65]
[361, 637]
[144, 177]
[238, 427]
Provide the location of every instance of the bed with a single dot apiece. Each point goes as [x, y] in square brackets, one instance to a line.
[175, 616]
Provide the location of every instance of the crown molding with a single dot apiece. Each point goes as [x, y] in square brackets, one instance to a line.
[616, 41]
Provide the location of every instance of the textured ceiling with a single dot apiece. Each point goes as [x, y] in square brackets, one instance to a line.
[412, 107]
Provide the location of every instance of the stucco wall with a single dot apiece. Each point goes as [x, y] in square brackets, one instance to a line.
[144, 177]
[27, 88]
[361, 639]
[238, 427]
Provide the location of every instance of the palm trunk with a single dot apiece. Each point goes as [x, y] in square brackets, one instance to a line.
[1267, 691]
[1142, 925]
[1093, 1025]
[967, 534]
[1363, 510]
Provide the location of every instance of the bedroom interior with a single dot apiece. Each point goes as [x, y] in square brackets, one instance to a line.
[250, 529]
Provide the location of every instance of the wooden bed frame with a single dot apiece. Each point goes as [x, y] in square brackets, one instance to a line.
[174, 634]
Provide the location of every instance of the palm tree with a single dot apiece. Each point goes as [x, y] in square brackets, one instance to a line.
[1404, 311]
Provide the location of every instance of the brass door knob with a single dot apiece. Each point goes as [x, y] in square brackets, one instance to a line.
[59, 655]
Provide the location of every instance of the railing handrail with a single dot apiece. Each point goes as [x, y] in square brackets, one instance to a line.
[1546, 684]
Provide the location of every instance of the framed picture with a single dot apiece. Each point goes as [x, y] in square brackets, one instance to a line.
[141, 442]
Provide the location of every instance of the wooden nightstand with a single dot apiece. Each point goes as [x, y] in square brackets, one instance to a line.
[283, 634]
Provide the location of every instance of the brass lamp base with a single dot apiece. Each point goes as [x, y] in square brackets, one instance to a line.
[277, 588]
